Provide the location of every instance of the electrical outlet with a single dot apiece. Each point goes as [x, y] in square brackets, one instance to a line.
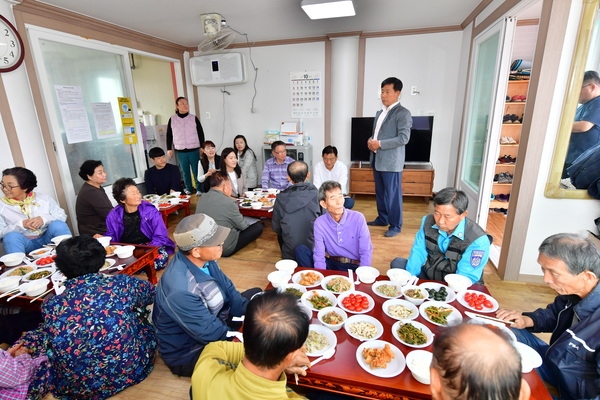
[207, 114]
[413, 90]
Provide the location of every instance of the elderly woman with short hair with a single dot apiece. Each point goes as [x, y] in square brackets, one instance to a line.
[138, 222]
[28, 219]
[95, 332]
[92, 205]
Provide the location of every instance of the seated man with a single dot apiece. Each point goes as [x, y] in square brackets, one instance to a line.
[274, 174]
[218, 204]
[195, 300]
[295, 210]
[331, 169]
[275, 329]
[448, 242]
[463, 367]
[163, 178]
[571, 362]
[342, 238]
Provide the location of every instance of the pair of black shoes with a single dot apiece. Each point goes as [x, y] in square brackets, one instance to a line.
[503, 177]
[506, 159]
[511, 119]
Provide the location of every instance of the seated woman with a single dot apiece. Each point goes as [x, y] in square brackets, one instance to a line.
[138, 222]
[94, 333]
[247, 161]
[28, 220]
[208, 164]
[229, 164]
[92, 204]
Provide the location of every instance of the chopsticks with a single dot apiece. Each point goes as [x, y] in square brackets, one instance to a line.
[475, 315]
[10, 292]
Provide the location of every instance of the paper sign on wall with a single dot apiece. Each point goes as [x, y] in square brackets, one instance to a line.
[127, 120]
[73, 113]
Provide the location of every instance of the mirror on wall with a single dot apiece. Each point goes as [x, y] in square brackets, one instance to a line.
[585, 58]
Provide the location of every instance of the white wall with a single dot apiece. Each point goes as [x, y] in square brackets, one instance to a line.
[550, 216]
[231, 115]
[16, 84]
[432, 63]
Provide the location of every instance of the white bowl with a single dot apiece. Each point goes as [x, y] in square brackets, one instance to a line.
[422, 327]
[350, 327]
[175, 200]
[286, 266]
[9, 283]
[307, 297]
[37, 287]
[256, 205]
[457, 282]
[40, 253]
[398, 275]
[176, 194]
[367, 274]
[124, 251]
[272, 191]
[27, 276]
[279, 278]
[56, 240]
[12, 259]
[414, 300]
[418, 362]
[104, 240]
[338, 311]
[249, 194]
[283, 288]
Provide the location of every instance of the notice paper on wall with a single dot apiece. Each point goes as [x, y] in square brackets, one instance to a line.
[104, 120]
[306, 94]
[74, 116]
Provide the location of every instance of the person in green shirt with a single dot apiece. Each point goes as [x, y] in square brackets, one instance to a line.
[275, 329]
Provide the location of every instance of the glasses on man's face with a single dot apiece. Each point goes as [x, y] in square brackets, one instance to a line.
[6, 187]
[584, 86]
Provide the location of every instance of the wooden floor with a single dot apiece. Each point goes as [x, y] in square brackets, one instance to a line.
[250, 266]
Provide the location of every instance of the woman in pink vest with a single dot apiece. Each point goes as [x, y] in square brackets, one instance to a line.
[185, 135]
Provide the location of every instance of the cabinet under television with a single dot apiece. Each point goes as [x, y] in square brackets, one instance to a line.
[418, 173]
[417, 180]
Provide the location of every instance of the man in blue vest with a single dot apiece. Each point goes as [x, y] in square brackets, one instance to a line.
[448, 242]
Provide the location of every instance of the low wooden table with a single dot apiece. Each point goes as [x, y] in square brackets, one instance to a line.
[342, 374]
[142, 259]
[165, 212]
[260, 213]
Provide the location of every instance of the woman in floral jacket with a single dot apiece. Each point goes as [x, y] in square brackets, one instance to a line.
[95, 332]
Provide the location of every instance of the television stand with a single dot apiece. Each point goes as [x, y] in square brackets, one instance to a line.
[417, 179]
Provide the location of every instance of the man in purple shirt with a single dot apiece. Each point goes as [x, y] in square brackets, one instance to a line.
[342, 238]
[274, 174]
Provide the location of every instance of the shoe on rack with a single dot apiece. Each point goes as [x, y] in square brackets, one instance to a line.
[508, 177]
[504, 140]
[502, 177]
[514, 118]
[506, 119]
[496, 179]
[511, 140]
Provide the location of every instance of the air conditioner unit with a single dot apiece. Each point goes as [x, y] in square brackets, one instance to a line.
[218, 69]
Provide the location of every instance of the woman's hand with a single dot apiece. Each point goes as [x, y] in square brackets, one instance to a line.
[17, 350]
[34, 223]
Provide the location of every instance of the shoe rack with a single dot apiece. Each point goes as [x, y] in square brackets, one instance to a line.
[510, 136]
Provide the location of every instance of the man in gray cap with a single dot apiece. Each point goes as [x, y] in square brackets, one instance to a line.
[195, 300]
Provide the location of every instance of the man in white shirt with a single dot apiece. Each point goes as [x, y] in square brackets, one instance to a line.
[331, 169]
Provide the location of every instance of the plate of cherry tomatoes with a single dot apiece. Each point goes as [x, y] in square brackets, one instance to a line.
[356, 302]
[45, 261]
[477, 301]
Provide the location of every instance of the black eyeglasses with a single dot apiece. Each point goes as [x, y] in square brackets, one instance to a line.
[6, 187]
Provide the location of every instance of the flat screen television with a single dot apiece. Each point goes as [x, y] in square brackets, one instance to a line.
[418, 148]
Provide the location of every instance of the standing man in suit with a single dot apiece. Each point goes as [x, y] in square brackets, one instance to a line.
[391, 132]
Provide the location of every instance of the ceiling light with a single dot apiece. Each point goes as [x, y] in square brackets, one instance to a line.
[320, 9]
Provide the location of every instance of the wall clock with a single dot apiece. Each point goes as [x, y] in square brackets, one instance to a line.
[11, 46]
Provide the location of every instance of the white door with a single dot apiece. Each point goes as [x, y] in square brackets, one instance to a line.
[490, 64]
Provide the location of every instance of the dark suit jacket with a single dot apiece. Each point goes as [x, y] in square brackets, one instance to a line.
[393, 135]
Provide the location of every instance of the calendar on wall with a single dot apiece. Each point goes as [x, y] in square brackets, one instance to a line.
[306, 94]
